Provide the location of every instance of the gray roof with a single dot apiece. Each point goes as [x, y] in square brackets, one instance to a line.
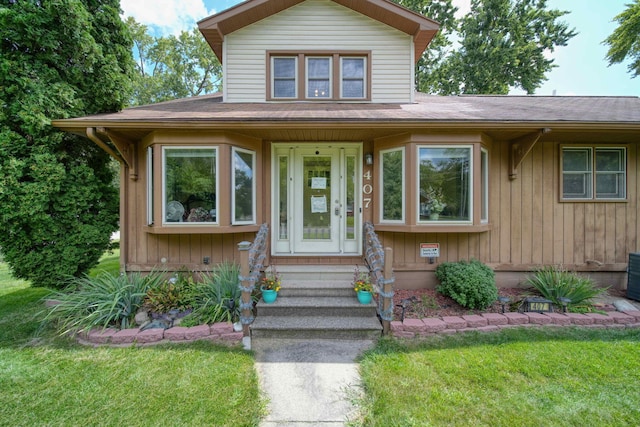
[425, 109]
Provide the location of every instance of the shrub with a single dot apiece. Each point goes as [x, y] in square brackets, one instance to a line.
[177, 293]
[102, 301]
[217, 297]
[471, 284]
[554, 283]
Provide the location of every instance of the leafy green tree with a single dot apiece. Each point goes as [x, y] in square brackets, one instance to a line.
[624, 42]
[172, 67]
[502, 44]
[429, 70]
[59, 59]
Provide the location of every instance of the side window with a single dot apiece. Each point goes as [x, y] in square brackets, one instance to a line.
[392, 185]
[149, 185]
[594, 173]
[243, 183]
[484, 185]
[189, 187]
[444, 183]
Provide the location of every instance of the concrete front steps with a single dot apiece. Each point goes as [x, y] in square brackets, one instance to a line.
[316, 302]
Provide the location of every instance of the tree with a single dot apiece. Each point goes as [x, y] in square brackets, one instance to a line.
[624, 42]
[502, 45]
[429, 71]
[172, 67]
[59, 59]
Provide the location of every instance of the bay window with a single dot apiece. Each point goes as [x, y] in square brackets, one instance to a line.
[392, 194]
[189, 186]
[243, 184]
[444, 183]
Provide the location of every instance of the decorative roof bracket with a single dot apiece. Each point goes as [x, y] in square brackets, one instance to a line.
[521, 147]
[125, 153]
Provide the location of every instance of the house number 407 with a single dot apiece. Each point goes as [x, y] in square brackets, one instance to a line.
[367, 189]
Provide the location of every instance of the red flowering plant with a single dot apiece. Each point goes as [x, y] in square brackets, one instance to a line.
[361, 281]
[270, 280]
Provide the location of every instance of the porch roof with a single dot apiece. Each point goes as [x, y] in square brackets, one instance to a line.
[479, 111]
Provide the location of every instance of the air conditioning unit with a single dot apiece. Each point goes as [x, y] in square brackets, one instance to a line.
[633, 282]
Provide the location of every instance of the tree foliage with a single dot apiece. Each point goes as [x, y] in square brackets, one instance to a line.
[59, 59]
[172, 67]
[502, 44]
[624, 42]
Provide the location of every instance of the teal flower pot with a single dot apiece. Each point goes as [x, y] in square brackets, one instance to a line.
[269, 296]
[364, 297]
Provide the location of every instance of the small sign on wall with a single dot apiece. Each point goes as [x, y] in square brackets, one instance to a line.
[429, 250]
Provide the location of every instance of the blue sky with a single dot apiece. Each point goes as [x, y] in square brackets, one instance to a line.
[582, 69]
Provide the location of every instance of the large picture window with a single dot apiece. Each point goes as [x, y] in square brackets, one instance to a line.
[594, 173]
[190, 185]
[244, 194]
[444, 183]
[392, 174]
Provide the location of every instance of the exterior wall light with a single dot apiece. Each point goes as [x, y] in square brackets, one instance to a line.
[368, 159]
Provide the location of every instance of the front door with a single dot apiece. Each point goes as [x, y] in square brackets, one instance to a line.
[316, 208]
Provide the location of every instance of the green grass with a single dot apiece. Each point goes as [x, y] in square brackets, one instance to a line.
[522, 377]
[47, 380]
[109, 262]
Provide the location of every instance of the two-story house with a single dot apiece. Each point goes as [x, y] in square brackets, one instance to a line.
[319, 129]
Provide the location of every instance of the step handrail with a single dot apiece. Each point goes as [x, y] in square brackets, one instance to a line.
[252, 257]
[380, 263]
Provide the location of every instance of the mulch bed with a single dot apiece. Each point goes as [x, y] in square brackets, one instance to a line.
[429, 303]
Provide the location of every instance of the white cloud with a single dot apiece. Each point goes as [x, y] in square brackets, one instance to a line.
[166, 16]
[464, 7]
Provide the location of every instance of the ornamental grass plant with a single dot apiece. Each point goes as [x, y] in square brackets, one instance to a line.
[101, 301]
[555, 282]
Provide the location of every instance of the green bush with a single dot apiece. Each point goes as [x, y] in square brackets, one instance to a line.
[102, 301]
[176, 293]
[471, 284]
[554, 283]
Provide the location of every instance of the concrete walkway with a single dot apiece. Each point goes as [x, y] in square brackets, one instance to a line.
[309, 382]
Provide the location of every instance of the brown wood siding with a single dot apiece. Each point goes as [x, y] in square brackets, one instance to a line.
[530, 226]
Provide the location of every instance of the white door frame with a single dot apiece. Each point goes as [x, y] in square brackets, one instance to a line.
[344, 205]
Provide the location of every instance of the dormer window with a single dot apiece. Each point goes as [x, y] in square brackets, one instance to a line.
[318, 76]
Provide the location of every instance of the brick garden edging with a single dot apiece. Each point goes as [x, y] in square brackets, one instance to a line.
[218, 332]
[487, 322]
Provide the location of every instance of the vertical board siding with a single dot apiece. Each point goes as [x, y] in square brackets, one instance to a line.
[530, 227]
[318, 25]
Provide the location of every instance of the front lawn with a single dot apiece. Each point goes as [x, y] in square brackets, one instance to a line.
[47, 380]
[518, 377]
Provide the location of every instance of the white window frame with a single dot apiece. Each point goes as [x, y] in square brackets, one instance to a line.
[149, 185]
[364, 77]
[234, 151]
[403, 184]
[592, 173]
[484, 185]
[164, 182]
[470, 201]
[274, 78]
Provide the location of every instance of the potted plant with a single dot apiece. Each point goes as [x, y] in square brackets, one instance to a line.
[363, 286]
[435, 202]
[270, 285]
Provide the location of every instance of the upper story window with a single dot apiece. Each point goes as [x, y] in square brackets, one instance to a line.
[444, 183]
[590, 173]
[319, 76]
[189, 186]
